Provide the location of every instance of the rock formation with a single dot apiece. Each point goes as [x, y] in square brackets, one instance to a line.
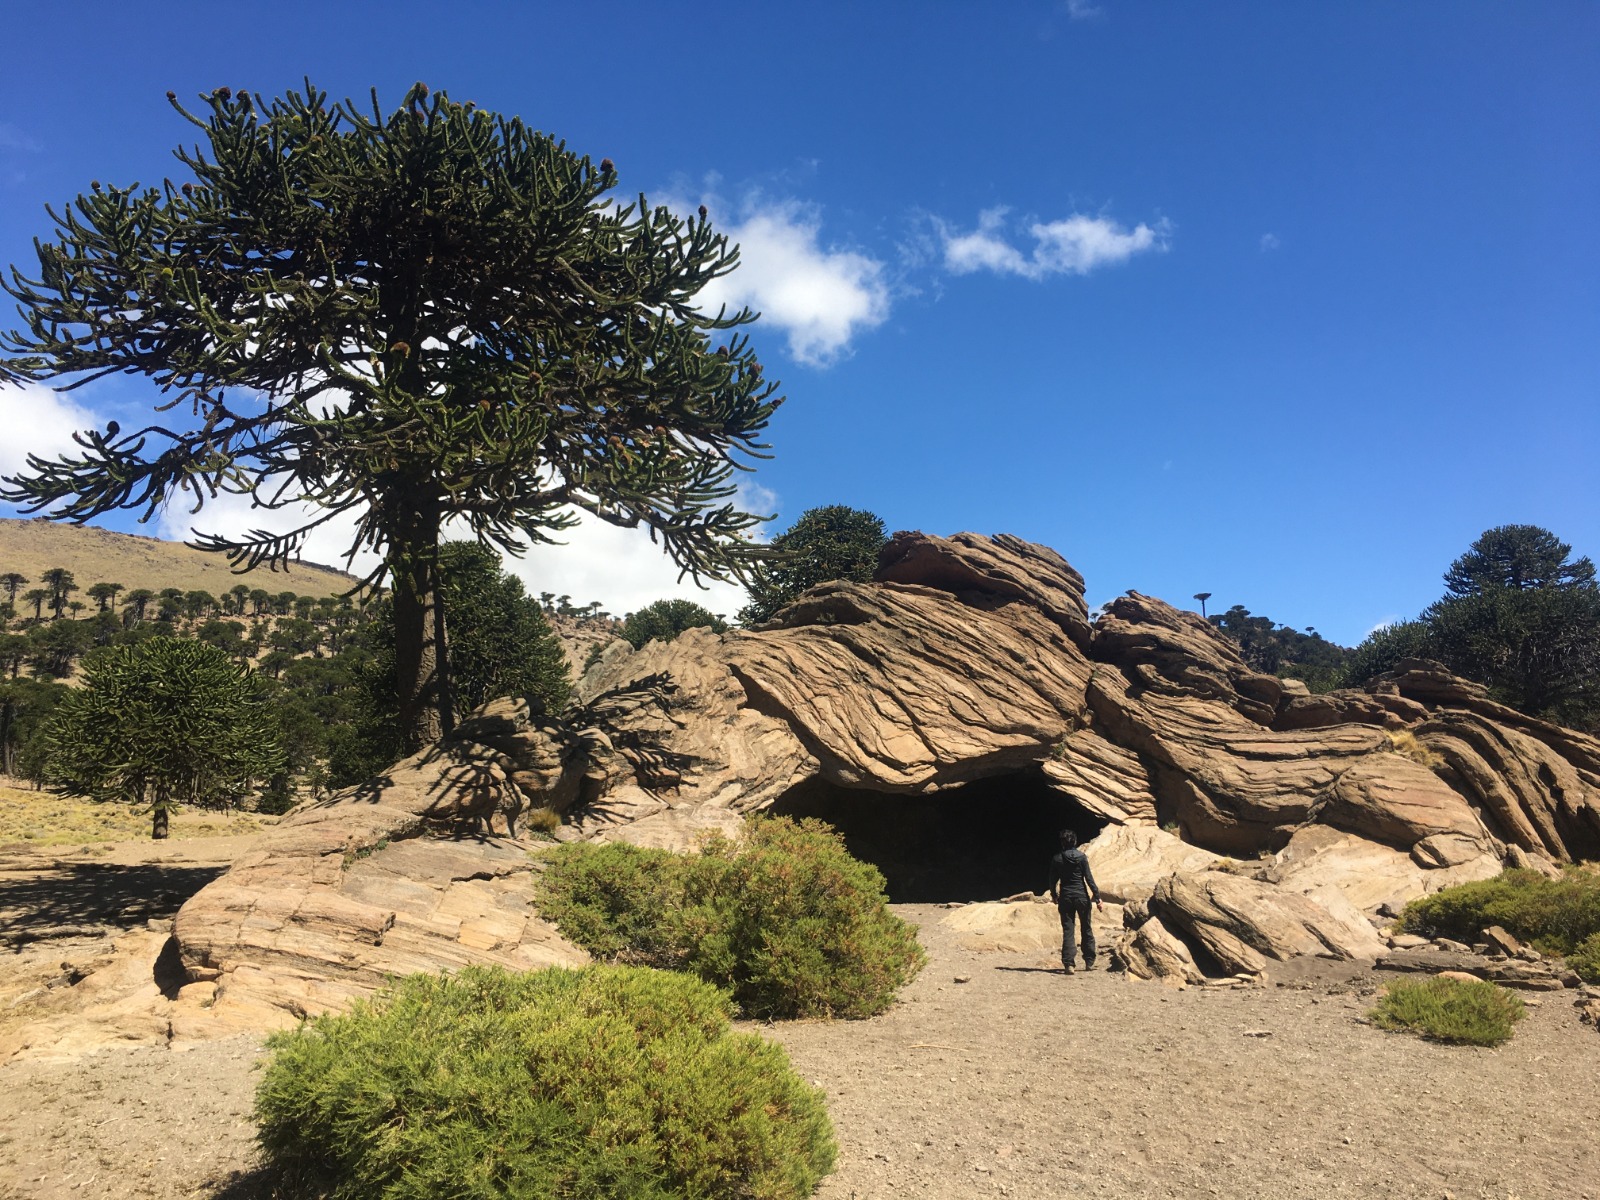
[948, 717]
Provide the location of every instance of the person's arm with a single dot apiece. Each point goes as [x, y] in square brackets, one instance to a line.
[1054, 886]
[1094, 888]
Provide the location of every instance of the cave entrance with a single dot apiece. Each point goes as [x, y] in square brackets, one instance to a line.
[979, 841]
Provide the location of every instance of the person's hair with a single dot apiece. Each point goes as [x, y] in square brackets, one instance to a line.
[1068, 838]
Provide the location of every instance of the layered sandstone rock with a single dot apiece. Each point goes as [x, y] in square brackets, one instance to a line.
[346, 894]
[1243, 923]
[970, 659]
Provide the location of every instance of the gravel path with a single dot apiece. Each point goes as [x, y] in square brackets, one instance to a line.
[1021, 1082]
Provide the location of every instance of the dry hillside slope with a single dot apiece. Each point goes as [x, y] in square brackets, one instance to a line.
[99, 555]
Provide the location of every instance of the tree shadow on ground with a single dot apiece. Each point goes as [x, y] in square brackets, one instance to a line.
[42, 904]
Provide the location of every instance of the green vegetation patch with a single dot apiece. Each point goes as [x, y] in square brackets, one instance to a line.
[1585, 959]
[783, 917]
[1554, 915]
[605, 1082]
[1450, 1010]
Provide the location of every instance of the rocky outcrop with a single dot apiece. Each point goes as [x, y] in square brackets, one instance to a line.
[1150, 951]
[350, 892]
[1130, 860]
[894, 688]
[1243, 923]
[1104, 779]
[970, 660]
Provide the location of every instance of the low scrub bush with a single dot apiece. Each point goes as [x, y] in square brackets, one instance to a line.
[619, 902]
[607, 1082]
[1450, 1010]
[1555, 915]
[782, 916]
[1585, 959]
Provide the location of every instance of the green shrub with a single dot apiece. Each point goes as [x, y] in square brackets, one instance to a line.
[619, 902]
[1585, 959]
[1450, 1010]
[603, 1082]
[783, 917]
[794, 925]
[1553, 914]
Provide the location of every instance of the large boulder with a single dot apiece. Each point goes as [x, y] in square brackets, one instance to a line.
[1244, 923]
[1370, 875]
[1150, 951]
[894, 688]
[348, 893]
[1129, 860]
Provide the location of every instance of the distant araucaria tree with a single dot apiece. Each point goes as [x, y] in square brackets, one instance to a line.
[406, 319]
[162, 723]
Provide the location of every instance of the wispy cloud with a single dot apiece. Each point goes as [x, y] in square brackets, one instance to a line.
[1083, 10]
[1269, 242]
[38, 420]
[1074, 245]
[12, 138]
[821, 296]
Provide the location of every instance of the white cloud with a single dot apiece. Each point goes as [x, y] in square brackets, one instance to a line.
[1384, 623]
[234, 516]
[625, 570]
[821, 297]
[38, 420]
[621, 568]
[1270, 241]
[1074, 245]
[1083, 10]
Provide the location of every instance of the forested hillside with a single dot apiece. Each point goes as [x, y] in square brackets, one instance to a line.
[326, 659]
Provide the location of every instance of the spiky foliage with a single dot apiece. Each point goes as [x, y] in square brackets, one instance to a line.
[162, 723]
[406, 318]
[832, 542]
[1518, 557]
[663, 620]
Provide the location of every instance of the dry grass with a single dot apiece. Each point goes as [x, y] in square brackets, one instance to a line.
[31, 818]
[1405, 743]
[99, 555]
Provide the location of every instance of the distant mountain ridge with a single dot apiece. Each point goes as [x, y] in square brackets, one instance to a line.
[94, 555]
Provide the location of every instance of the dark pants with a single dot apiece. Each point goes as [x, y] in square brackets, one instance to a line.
[1075, 914]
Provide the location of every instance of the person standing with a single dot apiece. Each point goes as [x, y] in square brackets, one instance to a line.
[1072, 887]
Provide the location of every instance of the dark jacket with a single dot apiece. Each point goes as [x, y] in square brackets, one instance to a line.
[1070, 869]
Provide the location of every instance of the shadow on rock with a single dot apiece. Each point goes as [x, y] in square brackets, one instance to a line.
[46, 903]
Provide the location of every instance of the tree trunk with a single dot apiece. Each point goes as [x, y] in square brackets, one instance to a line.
[160, 816]
[422, 667]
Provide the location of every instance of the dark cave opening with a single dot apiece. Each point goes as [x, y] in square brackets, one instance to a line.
[979, 841]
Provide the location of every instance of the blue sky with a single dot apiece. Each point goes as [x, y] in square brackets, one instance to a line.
[1284, 302]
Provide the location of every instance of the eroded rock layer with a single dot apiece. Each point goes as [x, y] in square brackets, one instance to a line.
[971, 658]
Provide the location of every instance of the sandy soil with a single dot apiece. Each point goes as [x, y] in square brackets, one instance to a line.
[1021, 1082]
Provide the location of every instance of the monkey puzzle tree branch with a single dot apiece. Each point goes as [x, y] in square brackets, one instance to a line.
[430, 314]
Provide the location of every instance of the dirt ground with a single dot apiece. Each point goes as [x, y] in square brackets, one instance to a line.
[1020, 1082]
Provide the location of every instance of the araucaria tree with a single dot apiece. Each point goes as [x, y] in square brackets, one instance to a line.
[435, 315]
[162, 723]
[832, 542]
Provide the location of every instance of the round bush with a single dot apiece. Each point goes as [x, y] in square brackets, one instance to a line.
[605, 1082]
[782, 916]
[793, 925]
